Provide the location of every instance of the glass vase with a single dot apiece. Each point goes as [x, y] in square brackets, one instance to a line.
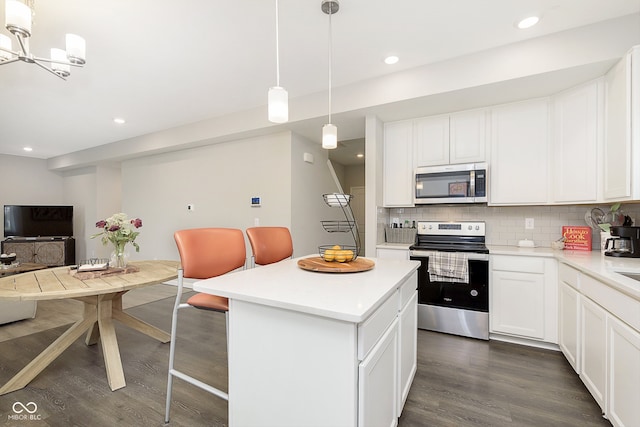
[119, 257]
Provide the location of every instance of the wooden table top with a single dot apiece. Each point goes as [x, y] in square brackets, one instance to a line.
[58, 283]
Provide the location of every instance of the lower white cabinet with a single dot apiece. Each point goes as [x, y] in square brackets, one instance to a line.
[377, 382]
[605, 342]
[407, 348]
[569, 323]
[523, 297]
[392, 253]
[624, 374]
[593, 349]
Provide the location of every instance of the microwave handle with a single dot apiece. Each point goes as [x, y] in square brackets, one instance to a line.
[472, 183]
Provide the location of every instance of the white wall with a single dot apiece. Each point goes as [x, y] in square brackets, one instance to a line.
[27, 181]
[219, 180]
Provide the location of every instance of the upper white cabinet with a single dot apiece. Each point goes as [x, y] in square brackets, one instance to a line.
[519, 168]
[451, 139]
[398, 164]
[621, 171]
[577, 128]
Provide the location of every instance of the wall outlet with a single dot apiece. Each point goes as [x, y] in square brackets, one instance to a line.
[529, 224]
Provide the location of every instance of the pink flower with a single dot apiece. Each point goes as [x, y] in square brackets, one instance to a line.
[137, 223]
[114, 228]
[101, 224]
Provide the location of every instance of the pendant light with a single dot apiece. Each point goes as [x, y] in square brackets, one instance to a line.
[278, 98]
[330, 131]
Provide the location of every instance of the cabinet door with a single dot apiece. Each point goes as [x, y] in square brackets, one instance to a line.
[624, 374]
[49, 253]
[398, 164]
[517, 304]
[575, 167]
[393, 253]
[569, 330]
[467, 140]
[519, 153]
[24, 250]
[407, 349]
[377, 382]
[431, 139]
[617, 147]
[593, 349]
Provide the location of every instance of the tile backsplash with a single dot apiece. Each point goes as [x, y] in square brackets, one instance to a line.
[505, 224]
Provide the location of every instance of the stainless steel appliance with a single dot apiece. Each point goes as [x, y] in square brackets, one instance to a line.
[465, 183]
[624, 242]
[453, 307]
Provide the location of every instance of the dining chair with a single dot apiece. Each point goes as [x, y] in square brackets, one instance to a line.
[204, 253]
[269, 244]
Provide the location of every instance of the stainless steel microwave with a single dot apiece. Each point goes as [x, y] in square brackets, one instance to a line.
[465, 183]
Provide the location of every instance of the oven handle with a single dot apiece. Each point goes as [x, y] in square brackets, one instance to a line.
[470, 255]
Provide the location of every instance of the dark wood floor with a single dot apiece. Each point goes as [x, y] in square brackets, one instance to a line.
[460, 381]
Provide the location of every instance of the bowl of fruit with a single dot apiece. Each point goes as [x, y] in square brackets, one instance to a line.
[338, 253]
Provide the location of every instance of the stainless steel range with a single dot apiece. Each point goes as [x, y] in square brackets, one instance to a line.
[453, 278]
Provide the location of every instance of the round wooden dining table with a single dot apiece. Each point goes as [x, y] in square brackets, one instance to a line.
[102, 298]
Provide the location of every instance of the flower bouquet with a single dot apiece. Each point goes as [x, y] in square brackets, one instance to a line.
[119, 230]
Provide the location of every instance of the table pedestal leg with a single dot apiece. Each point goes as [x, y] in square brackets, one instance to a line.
[110, 349]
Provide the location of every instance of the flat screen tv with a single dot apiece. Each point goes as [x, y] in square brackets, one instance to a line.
[38, 221]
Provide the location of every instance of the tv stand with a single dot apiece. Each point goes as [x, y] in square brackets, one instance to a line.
[50, 251]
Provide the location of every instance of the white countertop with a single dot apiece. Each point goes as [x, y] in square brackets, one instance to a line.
[350, 297]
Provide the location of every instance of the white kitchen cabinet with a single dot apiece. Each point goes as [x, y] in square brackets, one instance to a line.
[431, 140]
[467, 136]
[577, 125]
[593, 350]
[377, 382]
[450, 139]
[398, 164]
[568, 315]
[624, 374]
[519, 167]
[399, 253]
[523, 297]
[621, 170]
[407, 342]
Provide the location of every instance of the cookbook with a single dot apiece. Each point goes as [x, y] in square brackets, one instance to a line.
[577, 238]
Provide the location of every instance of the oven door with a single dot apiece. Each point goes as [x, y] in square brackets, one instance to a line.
[468, 296]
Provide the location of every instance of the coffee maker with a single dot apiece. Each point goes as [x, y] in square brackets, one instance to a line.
[624, 242]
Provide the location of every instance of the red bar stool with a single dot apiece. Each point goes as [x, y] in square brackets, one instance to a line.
[269, 244]
[204, 253]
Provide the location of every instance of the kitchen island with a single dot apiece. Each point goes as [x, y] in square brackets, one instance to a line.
[319, 349]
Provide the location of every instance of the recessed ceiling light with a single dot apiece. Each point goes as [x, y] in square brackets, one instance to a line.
[390, 60]
[359, 155]
[119, 120]
[528, 22]
[28, 149]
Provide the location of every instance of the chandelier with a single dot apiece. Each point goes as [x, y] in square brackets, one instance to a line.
[18, 22]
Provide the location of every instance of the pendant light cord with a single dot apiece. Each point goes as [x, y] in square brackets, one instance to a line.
[277, 47]
[330, 60]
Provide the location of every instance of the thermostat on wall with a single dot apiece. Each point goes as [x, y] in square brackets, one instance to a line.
[255, 202]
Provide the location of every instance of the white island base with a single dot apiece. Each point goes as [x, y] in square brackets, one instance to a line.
[319, 349]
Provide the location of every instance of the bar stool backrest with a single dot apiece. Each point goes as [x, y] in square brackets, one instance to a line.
[210, 252]
[270, 244]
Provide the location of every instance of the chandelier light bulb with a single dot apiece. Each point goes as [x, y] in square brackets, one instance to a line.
[278, 105]
[18, 18]
[59, 55]
[329, 136]
[5, 43]
[76, 49]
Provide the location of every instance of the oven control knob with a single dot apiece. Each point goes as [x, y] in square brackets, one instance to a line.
[474, 293]
[477, 227]
[470, 227]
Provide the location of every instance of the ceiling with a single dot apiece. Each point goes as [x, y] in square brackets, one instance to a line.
[163, 64]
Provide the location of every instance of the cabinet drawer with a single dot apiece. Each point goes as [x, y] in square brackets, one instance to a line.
[518, 264]
[370, 331]
[407, 289]
[617, 303]
[568, 275]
